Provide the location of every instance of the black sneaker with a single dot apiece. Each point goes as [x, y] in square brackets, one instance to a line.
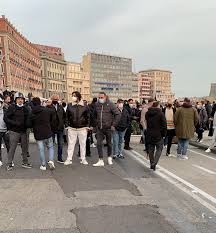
[26, 165]
[60, 161]
[9, 168]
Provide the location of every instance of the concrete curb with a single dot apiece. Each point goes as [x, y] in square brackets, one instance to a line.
[201, 146]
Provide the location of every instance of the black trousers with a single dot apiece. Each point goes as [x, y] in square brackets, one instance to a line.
[170, 136]
[128, 136]
[101, 133]
[5, 137]
[154, 156]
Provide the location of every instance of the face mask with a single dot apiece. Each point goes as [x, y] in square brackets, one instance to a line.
[121, 105]
[55, 102]
[140, 109]
[131, 105]
[199, 106]
[101, 101]
[74, 99]
[20, 105]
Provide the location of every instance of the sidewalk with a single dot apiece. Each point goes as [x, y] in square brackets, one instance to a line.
[205, 142]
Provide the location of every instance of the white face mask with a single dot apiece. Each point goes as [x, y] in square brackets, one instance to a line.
[120, 105]
[20, 105]
[131, 105]
[101, 101]
[74, 98]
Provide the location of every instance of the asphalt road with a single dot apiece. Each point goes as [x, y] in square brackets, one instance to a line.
[124, 198]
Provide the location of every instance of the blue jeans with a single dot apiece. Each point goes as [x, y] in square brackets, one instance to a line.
[118, 138]
[49, 144]
[60, 141]
[182, 146]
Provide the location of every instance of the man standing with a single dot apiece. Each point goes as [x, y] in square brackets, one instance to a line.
[186, 119]
[107, 117]
[169, 112]
[58, 127]
[78, 122]
[156, 131]
[144, 123]
[41, 122]
[118, 134]
[3, 129]
[17, 119]
[131, 108]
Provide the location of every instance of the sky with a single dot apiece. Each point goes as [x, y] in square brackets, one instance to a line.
[178, 35]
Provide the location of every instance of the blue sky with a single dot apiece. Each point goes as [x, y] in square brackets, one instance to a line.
[178, 35]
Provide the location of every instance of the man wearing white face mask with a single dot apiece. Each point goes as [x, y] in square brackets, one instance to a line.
[107, 117]
[17, 119]
[78, 123]
[120, 129]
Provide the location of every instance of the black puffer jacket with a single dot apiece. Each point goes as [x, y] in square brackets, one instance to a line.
[124, 120]
[42, 118]
[17, 118]
[106, 115]
[156, 125]
[78, 115]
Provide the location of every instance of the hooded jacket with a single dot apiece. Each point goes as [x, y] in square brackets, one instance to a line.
[156, 125]
[78, 115]
[186, 119]
[42, 119]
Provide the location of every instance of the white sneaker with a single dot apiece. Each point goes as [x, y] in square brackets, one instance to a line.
[184, 157]
[67, 162]
[110, 162]
[51, 165]
[12, 164]
[43, 168]
[92, 145]
[1, 163]
[84, 162]
[208, 150]
[100, 163]
[2, 146]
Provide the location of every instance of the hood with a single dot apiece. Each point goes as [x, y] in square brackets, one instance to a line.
[154, 111]
[37, 109]
[186, 105]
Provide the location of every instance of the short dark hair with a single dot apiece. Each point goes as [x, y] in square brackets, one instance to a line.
[120, 101]
[156, 104]
[36, 101]
[130, 100]
[187, 100]
[77, 94]
[94, 100]
[102, 93]
[151, 100]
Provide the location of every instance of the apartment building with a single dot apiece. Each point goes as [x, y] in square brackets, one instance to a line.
[77, 80]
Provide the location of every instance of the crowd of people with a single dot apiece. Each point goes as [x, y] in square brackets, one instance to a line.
[112, 125]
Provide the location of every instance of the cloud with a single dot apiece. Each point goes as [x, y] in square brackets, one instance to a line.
[177, 35]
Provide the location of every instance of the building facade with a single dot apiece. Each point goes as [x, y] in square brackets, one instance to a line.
[161, 81]
[135, 88]
[53, 71]
[19, 61]
[144, 83]
[77, 80]
[109, 74]
[213, 90]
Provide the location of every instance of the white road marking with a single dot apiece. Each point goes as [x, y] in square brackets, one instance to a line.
[204, 169]
[202, 154]
[177, 181]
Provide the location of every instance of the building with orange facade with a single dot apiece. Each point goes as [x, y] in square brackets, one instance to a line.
[19, 61]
